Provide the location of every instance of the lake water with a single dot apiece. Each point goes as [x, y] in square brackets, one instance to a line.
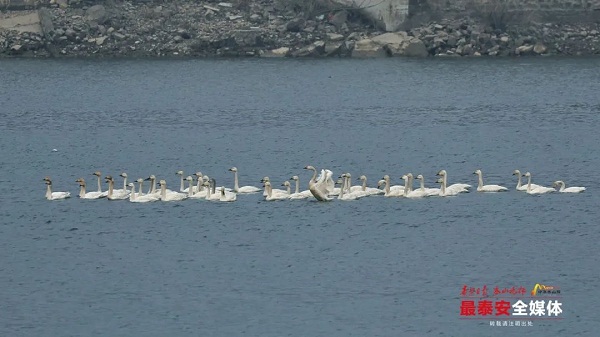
[372, 267]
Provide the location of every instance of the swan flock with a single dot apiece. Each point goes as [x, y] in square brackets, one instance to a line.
[321, 187]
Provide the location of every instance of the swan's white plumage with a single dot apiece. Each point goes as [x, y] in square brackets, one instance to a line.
[487, 188]
[537, 190]
[54, 195]
[88, 195]
[563, 189]
[320, 188]
[173, 196]
[243, 189]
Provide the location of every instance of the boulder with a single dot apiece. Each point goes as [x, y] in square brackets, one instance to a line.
[314, 49]
[295, 25]
[279, 52]
[524, 49]
[400, 44]
[332, 48]
[100, 40]
[335, 37]
[96, 14]
[367, 48]
[247, 37]
[539, 48]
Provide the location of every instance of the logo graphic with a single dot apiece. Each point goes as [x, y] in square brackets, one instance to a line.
[544, 289]
[510, 306]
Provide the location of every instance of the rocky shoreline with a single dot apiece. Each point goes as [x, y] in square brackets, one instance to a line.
[266, 29]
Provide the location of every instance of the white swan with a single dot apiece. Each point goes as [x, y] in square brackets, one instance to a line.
[487, 188]
[99, 177]
[173, 196]
[299, 194]
[88, 195]
[348, 195]
[521, 187]
[537, 190]
[368, 190]
[391, 190]
[320, 189]
[54, 195]
[444, 192]
[428, 191]
[272, 197]
[408, 191]
[243, 189]
[387, 191]
[114, 194]
[136, 197]
[572, 189]
[227, 196]
[459, 188]
[273, 190]
[140, 192]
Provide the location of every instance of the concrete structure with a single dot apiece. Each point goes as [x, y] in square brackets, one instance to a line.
[25, 21]
[388, 14]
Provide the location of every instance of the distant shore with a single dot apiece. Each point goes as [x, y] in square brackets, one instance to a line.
[260, 29]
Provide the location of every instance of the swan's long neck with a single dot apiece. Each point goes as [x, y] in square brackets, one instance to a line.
[132, 196]
[48, 191]
[348, 184]
[343, 187]
[529, 183]
[387, 187]
[289, 189]
[99, 185]
[125, 183]
[422, 184]
[480, 180]
[364, 184]
[207, 197]
[297, 185]
[152, 186]
[236, 186]
[199, 185]
[519, 180]
[442, 188]
[81, 190]
[406, 186]
[562, 186]
[313, 180]
[181, 184]
[141, 191]
[410, 183]
[110, 188]
[163, 191]
[190, 189]
[269, 190]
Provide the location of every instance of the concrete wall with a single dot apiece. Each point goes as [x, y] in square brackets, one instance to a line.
[388, 14]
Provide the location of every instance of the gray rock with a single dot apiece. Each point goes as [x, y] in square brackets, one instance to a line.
[339, 18]
[295, 25]
[100, 40]
[415, 48]
[16, 47]
[524, 50]
[255, 18]
[335, 37]
[248, 38]
[118, 36]
[279, 52]
[314, 49]
[333, 48]
[96, 14]
[367, 48]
